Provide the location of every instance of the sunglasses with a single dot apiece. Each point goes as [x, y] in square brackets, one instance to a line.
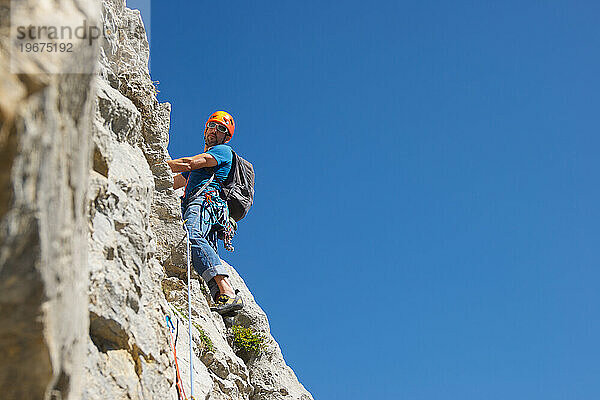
[220, 128]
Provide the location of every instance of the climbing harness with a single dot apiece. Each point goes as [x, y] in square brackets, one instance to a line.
[214, 211]
[178, 383]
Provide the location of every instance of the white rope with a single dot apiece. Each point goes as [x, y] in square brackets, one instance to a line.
[189, 289]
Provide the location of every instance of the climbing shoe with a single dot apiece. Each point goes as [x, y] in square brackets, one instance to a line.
[226, 304]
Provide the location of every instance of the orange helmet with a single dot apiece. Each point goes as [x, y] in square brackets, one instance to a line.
[223, 118]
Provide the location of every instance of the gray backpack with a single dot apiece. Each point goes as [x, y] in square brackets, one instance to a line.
[238, 188]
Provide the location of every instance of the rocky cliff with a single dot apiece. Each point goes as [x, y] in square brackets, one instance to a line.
[92, 253]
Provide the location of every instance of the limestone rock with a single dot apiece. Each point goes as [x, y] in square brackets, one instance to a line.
[45, 122]
[93, 254]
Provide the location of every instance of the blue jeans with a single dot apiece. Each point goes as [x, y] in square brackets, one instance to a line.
[204, 217]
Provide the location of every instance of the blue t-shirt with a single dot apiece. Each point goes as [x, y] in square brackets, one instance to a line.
[198, 177]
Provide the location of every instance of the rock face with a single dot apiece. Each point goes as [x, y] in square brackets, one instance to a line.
[92, 251]
[45, 122]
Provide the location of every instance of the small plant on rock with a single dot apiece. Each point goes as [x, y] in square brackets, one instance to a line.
[247, 341]
[208, 344]
[155, 87]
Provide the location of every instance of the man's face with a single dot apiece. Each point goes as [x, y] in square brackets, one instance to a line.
[213, 137]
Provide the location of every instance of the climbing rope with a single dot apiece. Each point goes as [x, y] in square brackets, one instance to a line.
[178, 383]
[189, 289]
[218, 214]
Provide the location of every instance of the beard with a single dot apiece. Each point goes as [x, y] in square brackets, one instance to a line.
[210, 140]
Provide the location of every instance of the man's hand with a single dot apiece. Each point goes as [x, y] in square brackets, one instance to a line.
[179, 165]
[178, 181]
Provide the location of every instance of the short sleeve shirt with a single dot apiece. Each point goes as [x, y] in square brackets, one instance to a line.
[197, 178]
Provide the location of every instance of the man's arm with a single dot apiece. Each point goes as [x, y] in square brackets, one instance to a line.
[190, 163]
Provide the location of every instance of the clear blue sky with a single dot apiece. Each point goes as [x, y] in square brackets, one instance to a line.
[426, 215]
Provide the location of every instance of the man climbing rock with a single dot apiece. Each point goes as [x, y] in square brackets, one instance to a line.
[205, 214]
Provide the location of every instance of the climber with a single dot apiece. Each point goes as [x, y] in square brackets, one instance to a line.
[205, 214]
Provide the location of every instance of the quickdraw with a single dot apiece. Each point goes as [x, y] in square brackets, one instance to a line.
[218, 214]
